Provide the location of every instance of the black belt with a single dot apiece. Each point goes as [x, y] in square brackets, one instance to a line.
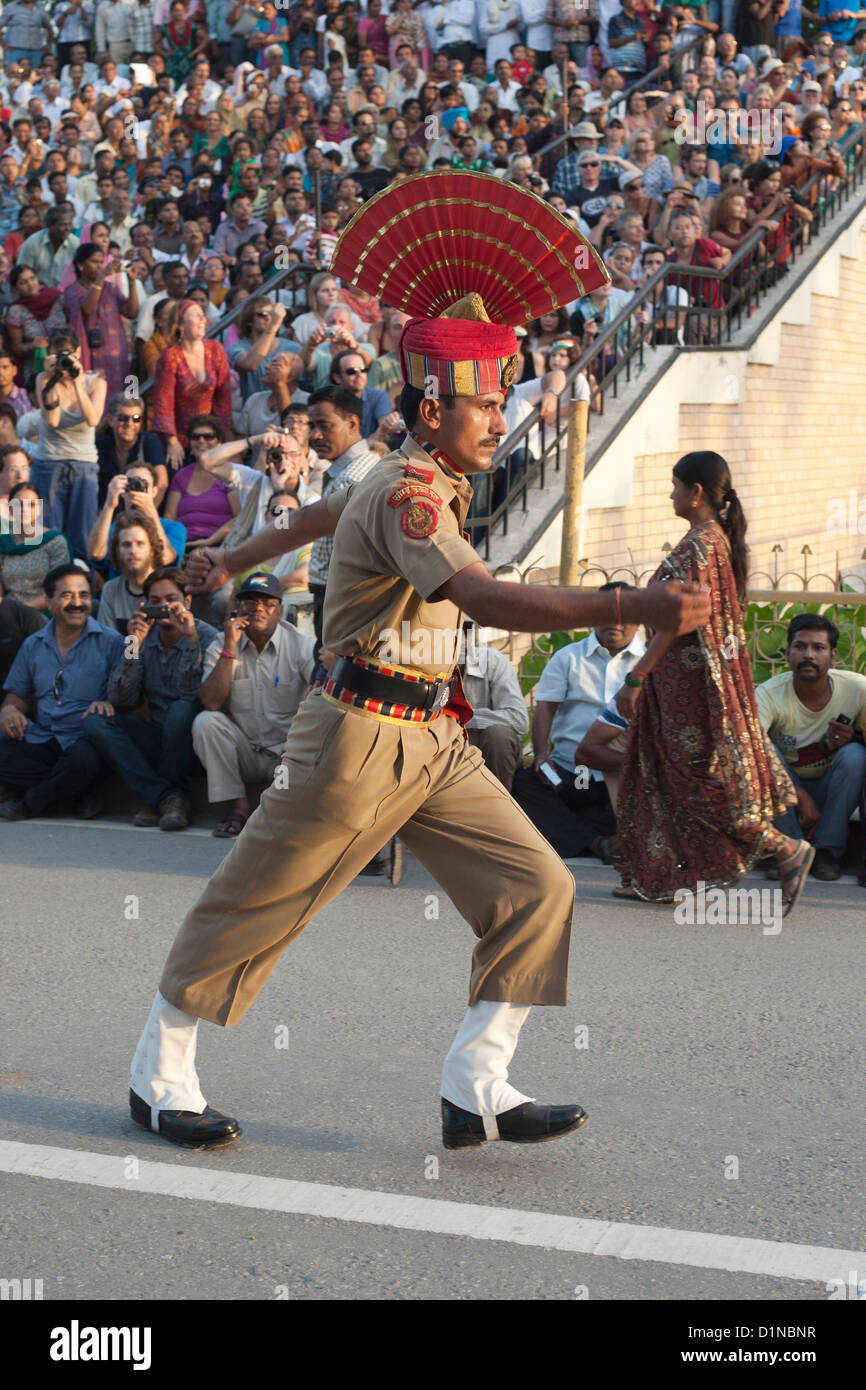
[395, 690]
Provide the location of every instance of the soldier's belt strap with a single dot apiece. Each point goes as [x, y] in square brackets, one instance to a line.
[420, 698]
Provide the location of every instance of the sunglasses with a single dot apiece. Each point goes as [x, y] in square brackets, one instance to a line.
[57, 680]
[591, 164]
[254, 601]
[354, 371]
[193, 437]
[130, 419]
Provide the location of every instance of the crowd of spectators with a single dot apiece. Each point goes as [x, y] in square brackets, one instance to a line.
[161, 163]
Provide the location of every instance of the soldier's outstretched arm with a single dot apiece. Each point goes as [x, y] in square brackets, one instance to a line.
[210, 567]
[666, 607]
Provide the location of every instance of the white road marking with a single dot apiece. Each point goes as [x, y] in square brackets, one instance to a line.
[698, 1249]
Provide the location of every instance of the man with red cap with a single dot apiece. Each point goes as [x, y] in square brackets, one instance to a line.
[381, 748]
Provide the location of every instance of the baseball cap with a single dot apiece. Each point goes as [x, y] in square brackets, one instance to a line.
[261, 583]
[584, 130]
[769, 65]
[811, 87]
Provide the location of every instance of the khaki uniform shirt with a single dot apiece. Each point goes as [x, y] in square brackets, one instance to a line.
[382, 601]
[268, 686]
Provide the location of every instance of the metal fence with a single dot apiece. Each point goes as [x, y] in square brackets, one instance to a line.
[719, 303]
[293, 278]
[681, 61]
[766, 616]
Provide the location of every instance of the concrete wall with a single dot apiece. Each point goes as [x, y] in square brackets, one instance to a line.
[789, 415]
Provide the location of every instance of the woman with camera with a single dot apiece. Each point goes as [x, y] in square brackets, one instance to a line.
[65, 467]
[96, 310]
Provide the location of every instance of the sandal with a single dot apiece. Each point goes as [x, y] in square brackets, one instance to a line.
[793, 879]
[231, 825]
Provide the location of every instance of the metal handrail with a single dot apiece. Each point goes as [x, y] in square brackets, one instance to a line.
[653, 75]
[269, 287]
[744, 282]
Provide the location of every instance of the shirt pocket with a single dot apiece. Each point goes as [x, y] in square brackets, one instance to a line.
[282, 701]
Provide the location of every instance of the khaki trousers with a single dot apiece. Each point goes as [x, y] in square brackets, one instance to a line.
[349, 783]
[228, 757]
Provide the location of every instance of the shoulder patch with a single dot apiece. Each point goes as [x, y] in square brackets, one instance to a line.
[423, 475]
[405, 490]
[419, 519]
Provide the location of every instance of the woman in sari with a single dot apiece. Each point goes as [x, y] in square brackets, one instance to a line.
[35, 312]
[701, 784]
[96, 310]
[179, 42]
[213, 139]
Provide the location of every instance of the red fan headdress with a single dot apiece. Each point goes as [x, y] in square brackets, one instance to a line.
[470, 256]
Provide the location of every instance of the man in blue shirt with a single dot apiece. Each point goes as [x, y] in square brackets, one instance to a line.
[840, 23]
[378, 416]
[64, 668]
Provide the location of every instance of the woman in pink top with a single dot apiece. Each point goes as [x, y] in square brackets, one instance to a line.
[204, 504]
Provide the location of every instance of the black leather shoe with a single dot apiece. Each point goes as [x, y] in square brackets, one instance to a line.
[825, 866]
[210, 1130]
[525, 1124]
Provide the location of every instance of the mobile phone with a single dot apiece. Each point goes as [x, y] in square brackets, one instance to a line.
[550, 775]
[842, 719]
[157, 611]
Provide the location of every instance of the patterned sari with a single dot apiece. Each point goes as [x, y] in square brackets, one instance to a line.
[700, 784]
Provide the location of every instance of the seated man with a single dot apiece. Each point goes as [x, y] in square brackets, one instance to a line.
[162, 661]
[603, 748]
[127, 441]
[65, 668]
[574, 688]
[134, 491]
[814, 719]
[255, 677]
[136, 549]
[18, 621]
[277, 459]
[500, 717]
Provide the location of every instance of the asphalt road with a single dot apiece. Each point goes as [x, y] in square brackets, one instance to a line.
[721, 1071]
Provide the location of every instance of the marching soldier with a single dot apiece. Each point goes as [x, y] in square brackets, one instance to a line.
[381, 748]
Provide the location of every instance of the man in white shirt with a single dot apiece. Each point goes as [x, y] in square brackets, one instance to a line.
[78, 54]
[407, 79]
[468, 94]
[254, 678]
[539, 33]
[367, 58]
[212, 90]
[505, 86]
[113, 30]
[109, 83]
[578, 681]
[500, 718]
[454, 22]
[364, 123]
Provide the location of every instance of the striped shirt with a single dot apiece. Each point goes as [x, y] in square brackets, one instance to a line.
[352, 465]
